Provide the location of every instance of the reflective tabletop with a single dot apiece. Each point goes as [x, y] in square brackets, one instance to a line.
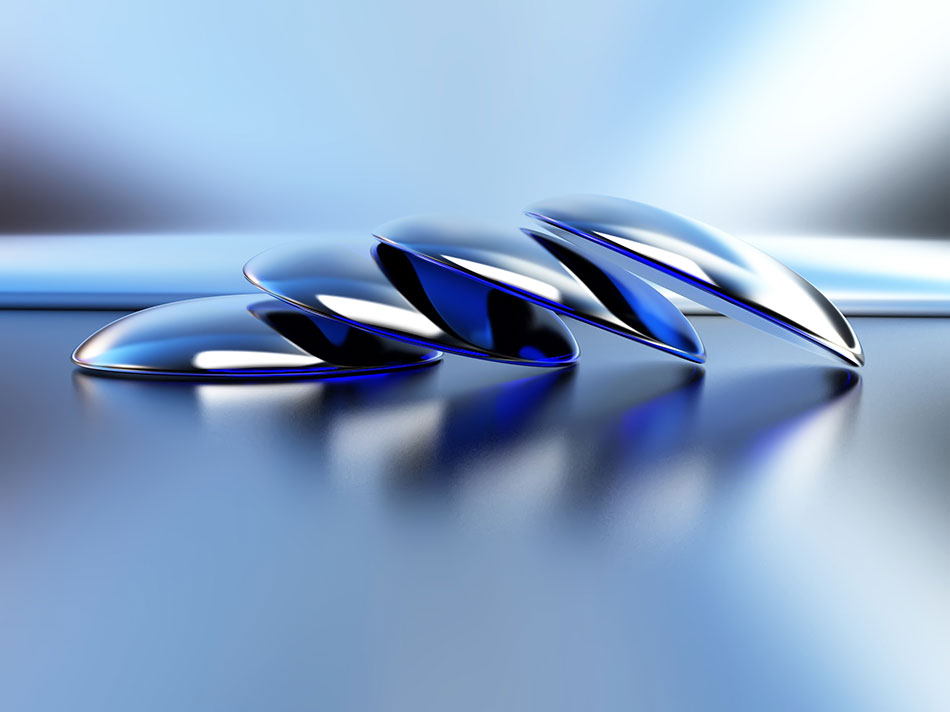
[767, 531]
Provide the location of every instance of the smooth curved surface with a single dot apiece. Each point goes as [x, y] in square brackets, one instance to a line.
[405, 297]
[550, 272]
[707, 266]
[240, 336]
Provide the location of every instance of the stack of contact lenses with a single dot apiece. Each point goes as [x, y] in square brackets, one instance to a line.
[424, 286]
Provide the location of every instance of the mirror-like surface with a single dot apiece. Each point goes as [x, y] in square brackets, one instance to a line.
[405, 297]
[240, 336]
[766, 536]
[550, 272]
[708, 266]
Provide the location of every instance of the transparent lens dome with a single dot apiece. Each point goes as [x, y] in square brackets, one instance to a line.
[240, 336]
[400, 295]
[706, 265]
[552, 273]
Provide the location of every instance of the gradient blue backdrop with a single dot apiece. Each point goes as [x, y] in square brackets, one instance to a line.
[782, 116]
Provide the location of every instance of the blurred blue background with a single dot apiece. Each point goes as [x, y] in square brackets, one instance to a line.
[778, 117]
[766, 533]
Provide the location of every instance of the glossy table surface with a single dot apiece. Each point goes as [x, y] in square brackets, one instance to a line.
[766, 532]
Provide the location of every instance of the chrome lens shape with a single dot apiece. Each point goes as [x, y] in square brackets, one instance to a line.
[706, 265]
[403, 296]
[552, 273]
[240, 336]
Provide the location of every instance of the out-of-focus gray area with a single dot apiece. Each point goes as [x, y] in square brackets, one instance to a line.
[765, 533]
[792, 117]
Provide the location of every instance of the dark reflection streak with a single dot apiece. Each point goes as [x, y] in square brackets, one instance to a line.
[308, 422]
[591, 414]
[631, 440]
[754, 412]
[488, 419]
[297, 422]
[613, 424]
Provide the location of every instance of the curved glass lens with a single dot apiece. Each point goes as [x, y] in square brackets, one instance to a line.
[408, 298]
[552, 273]
[707, 266]
[239, 336]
